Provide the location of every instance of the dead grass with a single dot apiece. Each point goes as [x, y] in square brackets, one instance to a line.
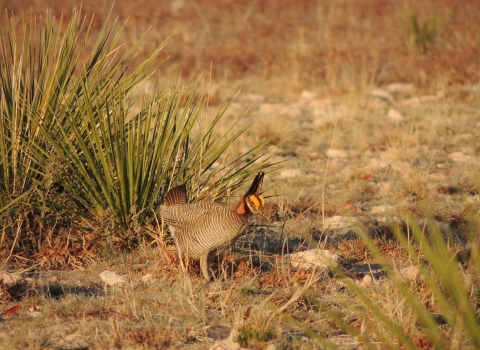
[344, 45]
[173, 310]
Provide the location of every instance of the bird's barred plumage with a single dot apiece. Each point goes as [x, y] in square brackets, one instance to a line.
[202, 230]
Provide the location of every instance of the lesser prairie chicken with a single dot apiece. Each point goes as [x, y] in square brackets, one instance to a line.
[203, 230]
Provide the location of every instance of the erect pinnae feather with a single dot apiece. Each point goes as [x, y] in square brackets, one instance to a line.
[176, 195]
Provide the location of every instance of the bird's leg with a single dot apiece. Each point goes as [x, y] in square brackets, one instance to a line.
[204, 265]
[184, 269]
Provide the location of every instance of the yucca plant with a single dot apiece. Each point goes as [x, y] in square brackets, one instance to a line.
[80, 139]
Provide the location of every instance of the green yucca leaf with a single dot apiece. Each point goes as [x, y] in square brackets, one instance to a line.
[453, 296]
[444, 279]
[424, 316]
[450, 293]
[382, 318]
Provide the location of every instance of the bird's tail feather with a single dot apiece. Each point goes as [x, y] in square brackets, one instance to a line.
[176, 195]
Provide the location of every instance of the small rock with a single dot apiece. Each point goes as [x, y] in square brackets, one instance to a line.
[312, 258]
[440, 94]
[292, 173]
[290, 112]
[402, 167]
[255, 98]
[388, 155]
[307, 95]
[225, 344]
[322, 121]
[374, 164]
[465, 136]
[10, 278]
[459, 157]
[348, 171]
[279, 110]
[467, 150]
[339, 222]
[412, 101]
[472, 88]
[176, 6]
[410, 273]
[337, 153]
[390, 220]
[366, 281]
[400, 88]
[312, 155]
[148, 277]
[35, 311]
[235, 107]
[418, 100]
[381, 209]
[475, 199]
[268, 109]
[436, 177]
[382, 95]
[394, 115]
[111, 278]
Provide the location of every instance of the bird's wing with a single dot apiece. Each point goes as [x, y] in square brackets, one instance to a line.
[181, 214]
